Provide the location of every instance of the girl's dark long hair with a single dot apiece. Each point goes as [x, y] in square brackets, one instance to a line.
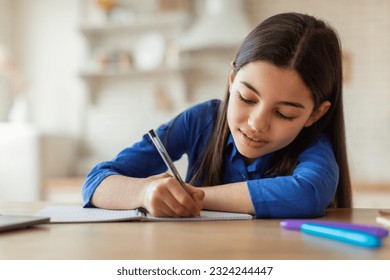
[311, 48]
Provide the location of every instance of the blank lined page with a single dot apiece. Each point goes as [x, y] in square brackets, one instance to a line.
[78, 214]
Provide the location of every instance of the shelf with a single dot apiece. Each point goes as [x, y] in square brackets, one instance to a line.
[116, 47]
[95, 79]
[140, 24]
[98, 74]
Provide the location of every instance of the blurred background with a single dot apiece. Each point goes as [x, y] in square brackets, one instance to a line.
[82, 79]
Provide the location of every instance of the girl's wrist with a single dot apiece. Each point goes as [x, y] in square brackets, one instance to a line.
[144, 195]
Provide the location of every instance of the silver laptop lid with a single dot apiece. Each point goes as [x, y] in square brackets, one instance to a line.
[11, 222]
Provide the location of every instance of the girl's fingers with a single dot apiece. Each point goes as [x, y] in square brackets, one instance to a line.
[164, 211]
[187, 205]
[175, 206]
[198, 196]
[162, 198]
[166, 197]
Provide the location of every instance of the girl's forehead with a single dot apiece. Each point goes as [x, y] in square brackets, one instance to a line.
[267, 69]
[265, 78]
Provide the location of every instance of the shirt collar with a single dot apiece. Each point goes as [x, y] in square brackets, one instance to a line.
[233, 154]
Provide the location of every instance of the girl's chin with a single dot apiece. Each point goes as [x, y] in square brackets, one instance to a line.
[250, 153]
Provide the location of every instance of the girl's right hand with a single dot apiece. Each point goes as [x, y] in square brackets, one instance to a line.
[164, 196]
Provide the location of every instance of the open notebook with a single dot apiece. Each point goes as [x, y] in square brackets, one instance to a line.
[78, 214]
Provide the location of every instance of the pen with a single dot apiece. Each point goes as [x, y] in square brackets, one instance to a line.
[384, 212]
[296, 225]
[354, 237]
[165, 156]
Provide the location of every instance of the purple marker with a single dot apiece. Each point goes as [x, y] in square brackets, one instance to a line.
[374, 230]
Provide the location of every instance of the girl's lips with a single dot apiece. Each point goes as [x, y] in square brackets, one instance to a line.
[252, 141]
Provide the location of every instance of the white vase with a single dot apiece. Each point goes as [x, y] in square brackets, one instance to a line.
[19, 112]
[6, 100]
[223, 24]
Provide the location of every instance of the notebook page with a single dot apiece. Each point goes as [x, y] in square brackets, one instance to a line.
[78, 214]
[204, 216]
[384, 220]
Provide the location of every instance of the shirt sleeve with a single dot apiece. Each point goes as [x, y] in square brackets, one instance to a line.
[304, 194]
[129, 162]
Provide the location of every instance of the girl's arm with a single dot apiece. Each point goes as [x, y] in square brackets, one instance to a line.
[304, 194]
[142, 160]
[155, 192]
[232, 197]
[161, 195]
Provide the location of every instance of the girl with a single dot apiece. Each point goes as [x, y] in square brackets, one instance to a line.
[275, 147]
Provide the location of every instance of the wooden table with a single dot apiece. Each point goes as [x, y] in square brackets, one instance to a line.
[257, 239]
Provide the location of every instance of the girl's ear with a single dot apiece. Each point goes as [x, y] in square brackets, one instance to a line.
[231, 78]
[317, 114]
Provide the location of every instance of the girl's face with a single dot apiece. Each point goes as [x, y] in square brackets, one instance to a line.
[268, 107]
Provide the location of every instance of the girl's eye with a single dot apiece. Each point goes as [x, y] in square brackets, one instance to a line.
[283, 117]
[243, 99]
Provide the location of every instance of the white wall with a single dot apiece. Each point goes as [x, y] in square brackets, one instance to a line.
[50, 51]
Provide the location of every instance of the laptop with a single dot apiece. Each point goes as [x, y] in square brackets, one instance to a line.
[12, 222]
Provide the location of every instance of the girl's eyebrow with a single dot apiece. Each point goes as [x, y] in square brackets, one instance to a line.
[248, 85]
[288, 103]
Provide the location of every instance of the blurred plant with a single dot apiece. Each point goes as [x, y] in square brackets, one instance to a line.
[106, 5]
[10, 71]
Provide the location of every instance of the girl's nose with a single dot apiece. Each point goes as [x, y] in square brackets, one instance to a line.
[259, 120]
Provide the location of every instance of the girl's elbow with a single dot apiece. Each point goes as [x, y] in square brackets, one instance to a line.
[314, 208]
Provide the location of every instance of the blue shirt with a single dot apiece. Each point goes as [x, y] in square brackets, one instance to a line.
[306, 193]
